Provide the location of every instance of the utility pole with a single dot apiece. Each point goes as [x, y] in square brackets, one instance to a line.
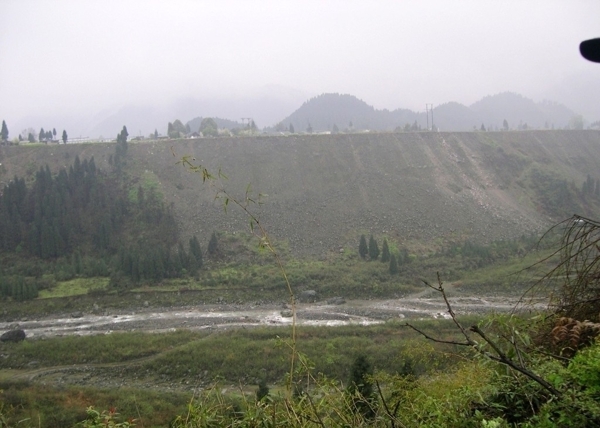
[429, 109]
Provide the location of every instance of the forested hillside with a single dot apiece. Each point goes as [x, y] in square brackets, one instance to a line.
[83, 221]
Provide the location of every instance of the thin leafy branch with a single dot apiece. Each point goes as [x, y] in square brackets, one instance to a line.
[256, 228]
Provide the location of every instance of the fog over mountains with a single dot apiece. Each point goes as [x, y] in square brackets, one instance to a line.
[349, 113]
[320, 113]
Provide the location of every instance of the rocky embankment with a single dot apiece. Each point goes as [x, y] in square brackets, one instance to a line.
[323, 191]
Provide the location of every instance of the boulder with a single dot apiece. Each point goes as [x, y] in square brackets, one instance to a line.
[15, 336]
[308, 296]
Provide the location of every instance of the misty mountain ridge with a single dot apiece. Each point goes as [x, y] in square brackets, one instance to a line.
[321, 113]
[347, 112]
[263, 108]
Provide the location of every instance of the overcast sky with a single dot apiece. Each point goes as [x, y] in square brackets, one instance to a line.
[66, 57]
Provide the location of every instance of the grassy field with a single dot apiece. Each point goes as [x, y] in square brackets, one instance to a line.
[75, 287]
[237, 359]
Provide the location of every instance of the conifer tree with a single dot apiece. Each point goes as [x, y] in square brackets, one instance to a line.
[263, 390]
[363, 249]
[182, 258]
[403, 257]
[76, 260]
[373, 248]
[4, 132]
[194, 255]
[121, 148]
[213, 245]
[360, 387]
[385, 252]
[393, 265]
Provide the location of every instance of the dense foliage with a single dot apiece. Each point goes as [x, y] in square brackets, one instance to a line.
[86, 222]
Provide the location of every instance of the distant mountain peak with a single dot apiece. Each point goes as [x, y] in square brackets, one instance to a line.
[350, 113]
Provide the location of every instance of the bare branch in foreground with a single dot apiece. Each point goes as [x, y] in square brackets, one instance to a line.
[498, 355]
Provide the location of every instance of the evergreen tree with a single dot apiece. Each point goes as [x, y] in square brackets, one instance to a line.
[263, 390]
[76, 261]
[194, 256]
[405, 256]
[363, 249]
[213, 245]
[505, 125]
[360, 387]
[54, 132]
[124, 134]
[121, 148]
[31, 137]
[393, 265]
[181, 259]
[385, 252]
[291, 128]
[209, 127]
[42, 135]
[335, 129]
[4, 132]
[373, 248]
[64, 136]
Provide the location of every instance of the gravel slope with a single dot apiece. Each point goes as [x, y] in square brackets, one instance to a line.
[325, 190]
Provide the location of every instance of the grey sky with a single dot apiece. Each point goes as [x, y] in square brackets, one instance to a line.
[82, 57]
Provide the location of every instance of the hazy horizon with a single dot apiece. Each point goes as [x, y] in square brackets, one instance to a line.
[76, 64]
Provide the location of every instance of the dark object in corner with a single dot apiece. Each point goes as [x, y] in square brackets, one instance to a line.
[590, 49]
[15, 336]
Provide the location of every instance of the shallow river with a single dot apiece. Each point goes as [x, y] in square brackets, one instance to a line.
[357, 312]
